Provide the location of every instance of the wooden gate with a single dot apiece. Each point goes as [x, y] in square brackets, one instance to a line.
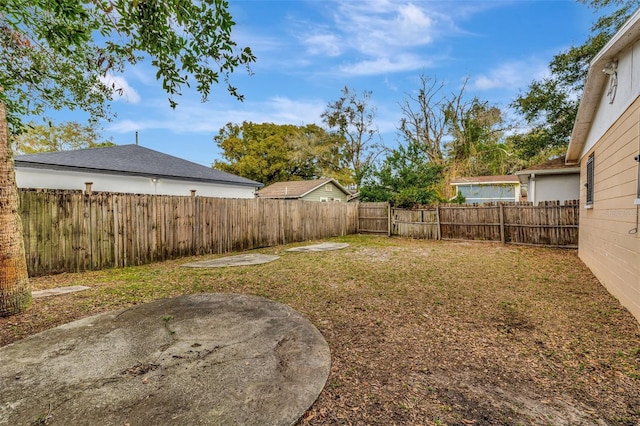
[373, 218]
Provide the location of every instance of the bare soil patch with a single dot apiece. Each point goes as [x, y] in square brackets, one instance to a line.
[421, 332]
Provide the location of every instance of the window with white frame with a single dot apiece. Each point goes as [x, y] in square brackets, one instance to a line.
[328, 187]
[589, 183]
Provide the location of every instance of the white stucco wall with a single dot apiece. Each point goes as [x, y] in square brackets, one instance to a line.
[27, 177]
[627, 91]
[554, 188]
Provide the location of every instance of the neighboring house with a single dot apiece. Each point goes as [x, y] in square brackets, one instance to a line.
[487, 189]
[130, 169]
[551, 181]
[326, 190]
[605, 144]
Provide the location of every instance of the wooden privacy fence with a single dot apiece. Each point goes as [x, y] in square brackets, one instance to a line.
[71, 231]
[548, 224]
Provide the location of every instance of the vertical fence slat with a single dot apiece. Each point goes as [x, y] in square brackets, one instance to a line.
[502, 240]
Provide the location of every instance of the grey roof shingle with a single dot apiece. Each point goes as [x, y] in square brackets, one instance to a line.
[130, 160]
[555, 164]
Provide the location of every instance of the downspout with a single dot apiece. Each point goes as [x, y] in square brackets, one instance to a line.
[532, 189]
[637, 158]
[637, 201]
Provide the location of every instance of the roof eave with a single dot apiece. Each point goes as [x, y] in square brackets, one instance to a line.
[563, 171]
[280, 197]
[594, 85]
[499, 182]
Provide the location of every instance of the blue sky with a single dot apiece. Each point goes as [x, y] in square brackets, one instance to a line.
[308, 50]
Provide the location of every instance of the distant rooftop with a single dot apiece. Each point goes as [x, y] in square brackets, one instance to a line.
[132, 160]
[555, 164]
[296, 188]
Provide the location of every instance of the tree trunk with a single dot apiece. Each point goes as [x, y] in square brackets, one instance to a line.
[15, 295]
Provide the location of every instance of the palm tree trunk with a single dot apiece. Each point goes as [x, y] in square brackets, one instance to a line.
[15, 295]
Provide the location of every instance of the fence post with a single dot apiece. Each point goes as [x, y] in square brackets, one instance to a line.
[195, 224]
[502, 239]
[388, 220]
[438, 230]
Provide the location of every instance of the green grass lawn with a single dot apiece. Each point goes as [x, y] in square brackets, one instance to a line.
[421, 332]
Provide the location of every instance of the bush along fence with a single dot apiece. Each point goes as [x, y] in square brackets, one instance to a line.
[66, 231]
[548, 224]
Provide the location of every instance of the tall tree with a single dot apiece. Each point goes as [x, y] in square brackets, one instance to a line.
[352, 117]
[405, 178]
[476, 145]
[457, 135]
[550, 105]
[51, 137]
[269, 153]
[425, 117]
[53, 54]
[15, 295]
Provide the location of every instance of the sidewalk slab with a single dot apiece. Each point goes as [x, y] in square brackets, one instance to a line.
[206, 359]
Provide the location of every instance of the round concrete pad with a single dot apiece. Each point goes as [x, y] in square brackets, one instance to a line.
[239, 260]
[320, 247]
[206, 359]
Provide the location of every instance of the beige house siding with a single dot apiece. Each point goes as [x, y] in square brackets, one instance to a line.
[335, 194]
[606, 245]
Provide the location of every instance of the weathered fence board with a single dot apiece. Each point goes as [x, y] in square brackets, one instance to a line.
[72, 231]
[421, 223]
[374, 218]
[548, 224]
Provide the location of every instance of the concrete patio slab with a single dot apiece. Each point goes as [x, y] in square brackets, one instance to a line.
[320, 247]
[207, 359]
[239, 260]
[37, 294]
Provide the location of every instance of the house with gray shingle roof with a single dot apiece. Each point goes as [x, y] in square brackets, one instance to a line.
[325, 190]
[128, 169]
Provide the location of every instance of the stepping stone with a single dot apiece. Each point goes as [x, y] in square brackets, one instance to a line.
[239, 260]
[37, 294]
[320, 247]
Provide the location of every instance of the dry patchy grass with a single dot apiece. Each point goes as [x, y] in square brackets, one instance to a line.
[421, 332]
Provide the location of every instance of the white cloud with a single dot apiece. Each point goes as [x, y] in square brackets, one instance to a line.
[143, 73]
[284, 110]
[511, 75]
[121, 89]
[196, 118]
[124, 126]
[323, 44]
[383, 65]
[386, 36]
[411, 17]
[375, 27]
